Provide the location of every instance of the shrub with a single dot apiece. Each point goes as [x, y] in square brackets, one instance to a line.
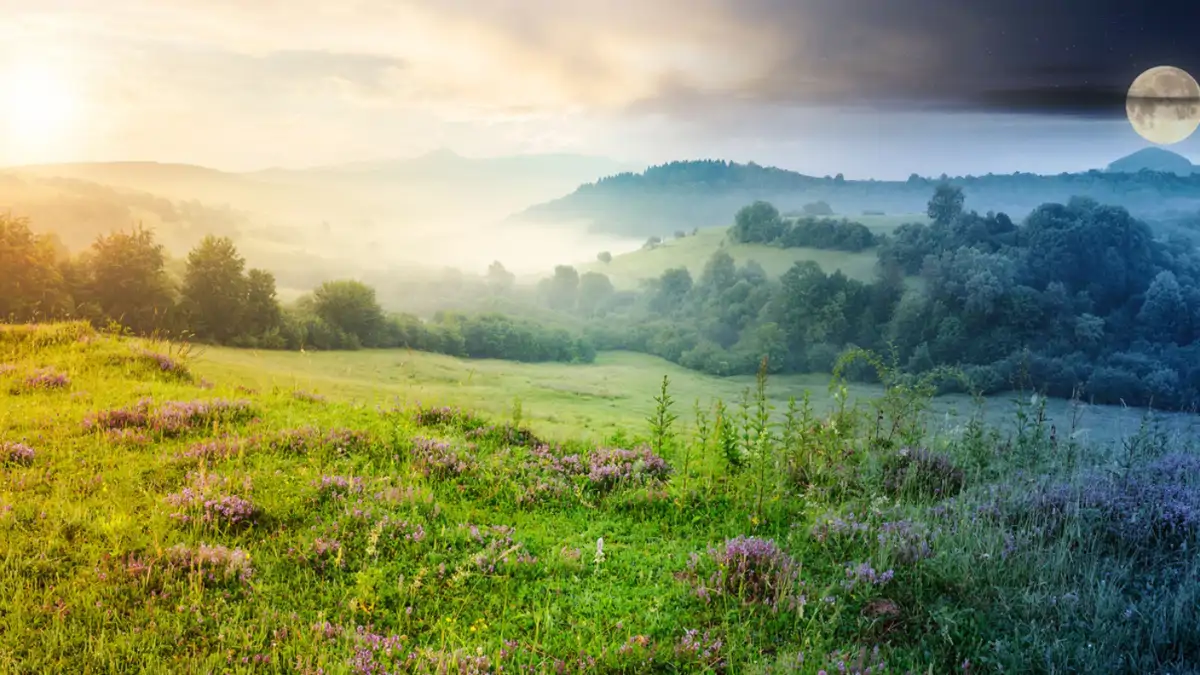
[437, 458]
[206, 499]
[754, 570]
[170, 419]
[212, 564]
[47, 379]
[16, 453]
[609, 467]
[163, 363]
[920, 473]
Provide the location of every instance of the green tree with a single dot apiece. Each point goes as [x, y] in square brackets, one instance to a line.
[261, 313]
[595, 289]
[128, 282]
[604, 257]
[351, 307]
[31, 283]
[214, 289]
[758, 222]
[946, 205]
[561, 291]
[499, 279]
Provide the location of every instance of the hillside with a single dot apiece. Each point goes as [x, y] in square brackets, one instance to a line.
[219, 527]
[682, 195]
[626, 270]
[1154, 159]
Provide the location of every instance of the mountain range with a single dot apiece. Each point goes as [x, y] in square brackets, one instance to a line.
[1151, 183]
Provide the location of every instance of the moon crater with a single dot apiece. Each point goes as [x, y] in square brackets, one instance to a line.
[1163, 105]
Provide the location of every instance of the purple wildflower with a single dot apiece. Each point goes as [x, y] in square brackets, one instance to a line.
[205, 500]
[214, 564]
[16, 453]
[610, 467]
[438, 458]
[46, 379]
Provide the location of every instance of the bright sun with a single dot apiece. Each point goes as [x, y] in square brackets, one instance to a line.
[38, 107]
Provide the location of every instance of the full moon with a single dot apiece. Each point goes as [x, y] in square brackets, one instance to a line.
[1163, 105]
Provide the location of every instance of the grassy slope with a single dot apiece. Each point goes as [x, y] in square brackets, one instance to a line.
[87, 583]
[585, 400]
[627, 269]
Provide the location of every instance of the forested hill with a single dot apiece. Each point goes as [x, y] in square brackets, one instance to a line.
[691, 194]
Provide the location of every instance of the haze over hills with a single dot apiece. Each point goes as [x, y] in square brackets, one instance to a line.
[413, 212]
[683, 195]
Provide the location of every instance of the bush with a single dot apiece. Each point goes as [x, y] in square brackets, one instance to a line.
[919, 473]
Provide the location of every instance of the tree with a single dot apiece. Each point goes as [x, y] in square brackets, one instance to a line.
[946, 205]
[128, 282]
[604, 257]
[31, 285]
[350, 307]
[818, 208]
[214, 289]
[1164, 314]
[261, 313]
[500, 279]
[561, 290]
[672, 287]
[757, 223]
[594, 290]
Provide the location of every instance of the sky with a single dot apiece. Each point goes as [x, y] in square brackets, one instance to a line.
[867, 88]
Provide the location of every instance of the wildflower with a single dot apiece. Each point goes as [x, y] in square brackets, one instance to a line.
[16, 453]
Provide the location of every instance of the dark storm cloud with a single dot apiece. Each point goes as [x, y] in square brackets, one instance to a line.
[1037, 56]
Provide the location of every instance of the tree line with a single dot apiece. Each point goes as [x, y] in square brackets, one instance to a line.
[122, 279]
[760, 223]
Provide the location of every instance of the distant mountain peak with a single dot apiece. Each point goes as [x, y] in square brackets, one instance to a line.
[1154, 159]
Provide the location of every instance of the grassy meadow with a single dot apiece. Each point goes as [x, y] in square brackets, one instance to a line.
[693, 251]
[593, 401]
[164, 510]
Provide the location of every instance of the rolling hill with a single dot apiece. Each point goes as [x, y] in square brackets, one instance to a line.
[682, 195]
[627, 270]
[1154, 159]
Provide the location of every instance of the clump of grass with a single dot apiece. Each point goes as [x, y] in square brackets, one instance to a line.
[310, 439]
[506, 434]
[127, 437]
[919, 473]
[610, 467]
[308, 397]
[172, 418]
[16, 453]
[43, 379]
[754, 570]
[438, 458]
[210, 564]
[207, 499]
[163, 363]
[445, 416]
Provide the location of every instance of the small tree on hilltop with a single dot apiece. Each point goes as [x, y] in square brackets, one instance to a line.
[604, 257]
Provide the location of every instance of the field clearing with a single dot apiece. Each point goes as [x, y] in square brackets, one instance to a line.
[594, 400]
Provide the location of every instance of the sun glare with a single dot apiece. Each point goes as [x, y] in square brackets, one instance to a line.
[38, 108]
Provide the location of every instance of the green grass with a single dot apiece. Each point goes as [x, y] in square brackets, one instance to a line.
[454, 542]
[693, 251]
[594, 400]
